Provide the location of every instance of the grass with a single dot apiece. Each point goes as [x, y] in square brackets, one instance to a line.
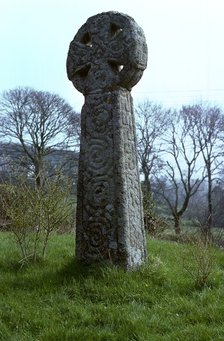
[59, 300]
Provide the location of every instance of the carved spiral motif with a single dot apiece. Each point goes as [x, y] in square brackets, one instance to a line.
[99, 121]
[100, 192]
[97, 233]
[96, 160]
[109, 50]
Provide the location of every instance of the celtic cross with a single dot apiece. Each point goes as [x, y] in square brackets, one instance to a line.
[106, 59]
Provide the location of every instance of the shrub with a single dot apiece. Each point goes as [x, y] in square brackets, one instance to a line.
[154, 224]
[198, 260]
[34, 214]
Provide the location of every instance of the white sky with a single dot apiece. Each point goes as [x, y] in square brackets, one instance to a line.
[185, 40]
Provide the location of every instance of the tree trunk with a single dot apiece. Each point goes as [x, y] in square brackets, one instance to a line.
[210, 208]
[37, 172]
[147, 183]
[177, 225]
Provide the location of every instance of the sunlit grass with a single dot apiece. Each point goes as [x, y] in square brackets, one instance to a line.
[59, 300]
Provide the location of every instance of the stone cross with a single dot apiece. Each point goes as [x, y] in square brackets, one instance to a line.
[105, 60]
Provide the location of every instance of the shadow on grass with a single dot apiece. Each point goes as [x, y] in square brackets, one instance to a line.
[44, 274]
[75, 270]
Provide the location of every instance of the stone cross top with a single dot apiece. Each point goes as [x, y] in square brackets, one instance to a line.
[106, 59]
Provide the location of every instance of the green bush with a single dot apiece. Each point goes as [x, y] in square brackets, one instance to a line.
[33, 214]
[198, 260]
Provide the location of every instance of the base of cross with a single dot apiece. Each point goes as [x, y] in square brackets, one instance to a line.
[109, 225]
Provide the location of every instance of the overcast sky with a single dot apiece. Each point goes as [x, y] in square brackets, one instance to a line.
[185, 40]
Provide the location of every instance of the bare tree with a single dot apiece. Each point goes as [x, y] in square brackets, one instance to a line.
[152, 121]
[206, 124]
[39, 121]
[74, 128]
[182, 172]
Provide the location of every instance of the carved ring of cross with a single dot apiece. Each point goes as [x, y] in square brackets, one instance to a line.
[108, 51]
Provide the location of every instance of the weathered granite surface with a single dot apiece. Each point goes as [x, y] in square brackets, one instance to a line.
[106, 59]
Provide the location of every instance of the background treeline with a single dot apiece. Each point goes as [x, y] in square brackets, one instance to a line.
[181, 160]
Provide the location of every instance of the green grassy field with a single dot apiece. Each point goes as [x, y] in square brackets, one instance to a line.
[58, 300]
